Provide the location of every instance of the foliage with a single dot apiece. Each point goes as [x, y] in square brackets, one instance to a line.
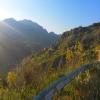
[37, 71]
[11, 78]
[69, 55]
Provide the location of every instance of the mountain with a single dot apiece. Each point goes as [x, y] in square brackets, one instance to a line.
[20, 38]
[77, 44]
[75, 48]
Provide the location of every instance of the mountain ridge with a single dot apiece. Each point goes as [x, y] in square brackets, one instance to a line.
[21, 38]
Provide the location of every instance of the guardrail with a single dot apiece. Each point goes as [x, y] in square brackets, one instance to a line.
[49, 92]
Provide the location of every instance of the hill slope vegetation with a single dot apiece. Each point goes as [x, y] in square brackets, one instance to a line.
[76, 47]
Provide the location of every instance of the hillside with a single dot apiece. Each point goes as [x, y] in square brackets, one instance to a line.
[76, 47]
[82, 41]
[19, 39]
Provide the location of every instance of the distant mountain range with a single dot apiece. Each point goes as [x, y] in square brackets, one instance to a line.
[20, 38]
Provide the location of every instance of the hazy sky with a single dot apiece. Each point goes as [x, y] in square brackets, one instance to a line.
[54, 15]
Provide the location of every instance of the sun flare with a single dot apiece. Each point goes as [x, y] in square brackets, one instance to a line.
[4, 14]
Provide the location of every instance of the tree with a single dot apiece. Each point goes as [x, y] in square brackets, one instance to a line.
[69, 55]
[11, 78]
[79, 53]
[78, 47]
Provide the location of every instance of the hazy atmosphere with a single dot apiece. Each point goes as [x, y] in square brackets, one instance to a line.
[49, 49]
[54, 15]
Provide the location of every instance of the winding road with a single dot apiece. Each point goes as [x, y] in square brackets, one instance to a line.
[59, 84]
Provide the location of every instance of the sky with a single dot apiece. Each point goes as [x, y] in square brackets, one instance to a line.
[54, 15]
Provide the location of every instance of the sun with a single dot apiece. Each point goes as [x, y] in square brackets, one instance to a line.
[4, 14]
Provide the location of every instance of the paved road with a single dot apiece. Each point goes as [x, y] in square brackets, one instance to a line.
[49, 92]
